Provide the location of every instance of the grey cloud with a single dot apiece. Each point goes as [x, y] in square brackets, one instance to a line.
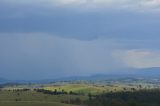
[46, 42]
[35, 56]
[86, 25]
[43, 56]
[136, 5]
[138, 58]
[68, 23]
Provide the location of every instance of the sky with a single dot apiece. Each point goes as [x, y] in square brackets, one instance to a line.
[47, 39]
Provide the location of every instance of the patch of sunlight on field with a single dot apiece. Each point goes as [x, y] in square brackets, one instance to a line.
[78, 88]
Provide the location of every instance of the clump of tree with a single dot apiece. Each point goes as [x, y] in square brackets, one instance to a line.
[18, 99]
[21, 90]
[136, 98]
[74, 93]
[55, 92]
[76, 101]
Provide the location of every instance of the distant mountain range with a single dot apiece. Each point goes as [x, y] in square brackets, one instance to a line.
[127, 73]
[146, 72]
[2, 81]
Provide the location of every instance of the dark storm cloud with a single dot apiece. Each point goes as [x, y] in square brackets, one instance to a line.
[55, 38]
[69, 23]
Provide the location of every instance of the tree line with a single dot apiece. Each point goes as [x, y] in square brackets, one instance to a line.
[136, 98]
[55, 92]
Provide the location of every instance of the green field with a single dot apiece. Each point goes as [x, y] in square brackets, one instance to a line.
[15, 96]
[87, 88]
[10, 97]
[32, 98]
[32, 103]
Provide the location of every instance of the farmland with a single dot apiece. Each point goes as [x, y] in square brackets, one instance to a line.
[73, 93]
[32, 98]
[84, 89]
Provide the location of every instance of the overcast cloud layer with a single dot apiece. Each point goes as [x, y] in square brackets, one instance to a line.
[136, 4]
[43, 39]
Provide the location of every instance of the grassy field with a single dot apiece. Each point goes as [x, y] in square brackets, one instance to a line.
[10, 96]
[32, 103]
[32, 98]
[87, 88]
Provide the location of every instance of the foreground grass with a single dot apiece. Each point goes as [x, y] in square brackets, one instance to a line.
[32, 103]
[99, 96]
[33, 98]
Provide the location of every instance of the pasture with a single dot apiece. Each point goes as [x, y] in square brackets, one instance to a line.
[33, 98]
[85, 89]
